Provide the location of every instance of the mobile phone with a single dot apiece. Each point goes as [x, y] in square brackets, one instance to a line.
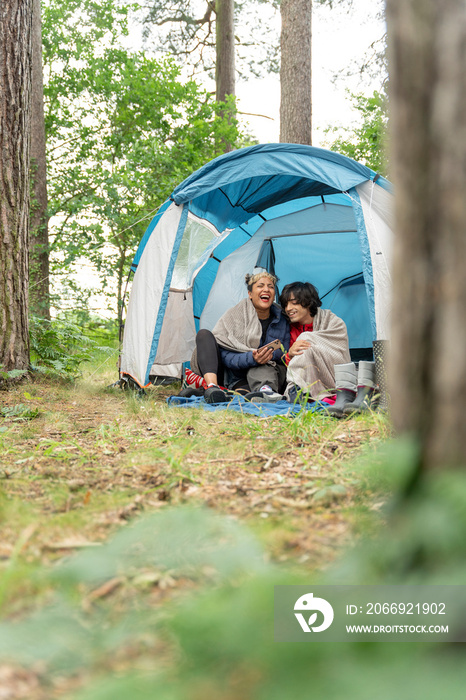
[274, 344]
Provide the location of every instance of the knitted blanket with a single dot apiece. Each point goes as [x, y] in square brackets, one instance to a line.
[239, 329]
[313, 370]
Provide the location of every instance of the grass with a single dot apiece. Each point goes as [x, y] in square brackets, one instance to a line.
[99, 603]
[86, 460]
[88, 450]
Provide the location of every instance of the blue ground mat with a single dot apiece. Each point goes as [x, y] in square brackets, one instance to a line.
[280, 408]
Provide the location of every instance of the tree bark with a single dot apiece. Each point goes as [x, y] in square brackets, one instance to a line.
[15, 91]
[427, 58]
[225, 49]
[39, 302]
[225, 58]
[296, 72]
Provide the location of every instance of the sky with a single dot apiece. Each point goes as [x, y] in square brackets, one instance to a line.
[340, 41]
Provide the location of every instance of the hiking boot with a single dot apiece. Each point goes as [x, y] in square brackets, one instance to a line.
[189, 391]
[252, 395]
[215, 395]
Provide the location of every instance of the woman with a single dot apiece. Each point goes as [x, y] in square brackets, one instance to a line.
[318, 341]
[237, 353]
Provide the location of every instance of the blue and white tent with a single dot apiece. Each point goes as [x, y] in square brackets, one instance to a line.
[303, 213]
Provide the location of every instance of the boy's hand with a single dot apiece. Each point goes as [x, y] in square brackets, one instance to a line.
[298, 347]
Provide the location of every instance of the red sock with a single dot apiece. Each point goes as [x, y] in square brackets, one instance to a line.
[194, 379]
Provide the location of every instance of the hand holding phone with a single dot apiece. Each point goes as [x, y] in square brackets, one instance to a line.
[263, 354]
[274, 345]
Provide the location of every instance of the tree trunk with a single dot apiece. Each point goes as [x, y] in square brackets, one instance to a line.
[39, 242]
[15, 91]
[427, 59]
[295, 72]
[225, 49]
[225, 59]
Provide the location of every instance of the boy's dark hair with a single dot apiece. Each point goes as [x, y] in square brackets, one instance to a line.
[305, 294]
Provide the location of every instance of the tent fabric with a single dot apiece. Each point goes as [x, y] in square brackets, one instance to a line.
[316, 231]
[260, 176]
[309, 213]
[376, 216]
[249, 180]
[146, 303]
[148, 234]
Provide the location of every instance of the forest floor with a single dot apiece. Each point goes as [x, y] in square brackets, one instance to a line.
[78, 462]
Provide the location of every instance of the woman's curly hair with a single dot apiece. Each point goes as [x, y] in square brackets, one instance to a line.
[252, 279]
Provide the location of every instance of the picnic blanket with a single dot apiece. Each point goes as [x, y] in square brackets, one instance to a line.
[280, 408]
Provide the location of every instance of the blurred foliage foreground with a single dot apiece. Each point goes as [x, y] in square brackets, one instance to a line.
[217, 641]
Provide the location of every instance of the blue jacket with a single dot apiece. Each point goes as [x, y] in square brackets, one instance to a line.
[279, 328]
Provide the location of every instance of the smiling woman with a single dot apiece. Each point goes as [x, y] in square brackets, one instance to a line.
[261, 291]
[238, 353]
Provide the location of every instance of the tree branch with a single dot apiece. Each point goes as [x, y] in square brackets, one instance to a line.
[251, 114]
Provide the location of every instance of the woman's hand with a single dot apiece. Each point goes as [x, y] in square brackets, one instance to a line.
[263, 355]
[298, 347]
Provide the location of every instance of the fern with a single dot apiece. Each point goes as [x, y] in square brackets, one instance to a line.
[18, 412]
[12, 373]
[60, 347]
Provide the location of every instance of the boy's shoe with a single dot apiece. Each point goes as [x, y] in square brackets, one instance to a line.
[296, 395]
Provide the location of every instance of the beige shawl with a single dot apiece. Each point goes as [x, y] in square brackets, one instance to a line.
[239, 329]
[313, 370]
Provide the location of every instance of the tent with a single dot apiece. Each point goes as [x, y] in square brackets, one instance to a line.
[304, 213]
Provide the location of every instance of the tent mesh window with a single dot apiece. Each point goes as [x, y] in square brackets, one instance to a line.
[195, 247]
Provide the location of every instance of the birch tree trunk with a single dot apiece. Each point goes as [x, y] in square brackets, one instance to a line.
[39, 240]
[427, 62]
[296, 72]
[15, 91]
